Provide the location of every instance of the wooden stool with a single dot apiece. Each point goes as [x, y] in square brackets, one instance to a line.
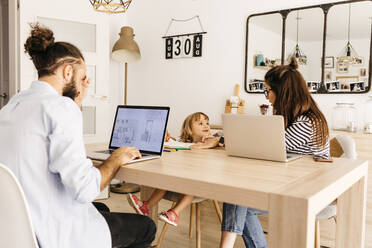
[175, 197]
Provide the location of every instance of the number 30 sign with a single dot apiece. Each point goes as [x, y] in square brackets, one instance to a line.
[185, 46]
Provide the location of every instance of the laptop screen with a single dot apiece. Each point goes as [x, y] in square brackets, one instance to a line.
[141, 127]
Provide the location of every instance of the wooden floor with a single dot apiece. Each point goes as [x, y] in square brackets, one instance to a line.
[179, 236]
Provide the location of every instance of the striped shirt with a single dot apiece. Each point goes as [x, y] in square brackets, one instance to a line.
[299, 139]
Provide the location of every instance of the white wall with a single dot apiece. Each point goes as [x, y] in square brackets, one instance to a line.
[201, 84]
[186, 85]
[108, 72]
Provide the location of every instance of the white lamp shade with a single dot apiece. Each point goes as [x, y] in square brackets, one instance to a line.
[125, 55]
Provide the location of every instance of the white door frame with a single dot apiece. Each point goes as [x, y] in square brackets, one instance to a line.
[14, 62]
[1, 52]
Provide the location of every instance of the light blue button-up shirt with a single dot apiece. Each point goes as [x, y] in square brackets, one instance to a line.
[41, 141]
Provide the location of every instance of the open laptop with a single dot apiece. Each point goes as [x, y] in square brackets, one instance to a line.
[258, 137]
[143, 127]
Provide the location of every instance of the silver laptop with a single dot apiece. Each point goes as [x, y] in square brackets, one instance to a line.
[143, 127]
[258, 137]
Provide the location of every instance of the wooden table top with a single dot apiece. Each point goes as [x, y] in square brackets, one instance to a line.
[212, 174]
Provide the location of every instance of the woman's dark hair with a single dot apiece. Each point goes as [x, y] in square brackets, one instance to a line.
[294, 99]
[48, 55]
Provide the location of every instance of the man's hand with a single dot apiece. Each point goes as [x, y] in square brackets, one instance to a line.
[82, 92]
[124, 154]
[119, 157]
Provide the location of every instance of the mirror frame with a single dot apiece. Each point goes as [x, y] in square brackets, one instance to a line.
[284, 13]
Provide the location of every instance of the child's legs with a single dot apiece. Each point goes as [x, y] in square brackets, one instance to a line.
[183, 203]
[156, 197]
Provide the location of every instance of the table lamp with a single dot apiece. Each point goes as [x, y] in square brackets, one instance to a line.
[125, 50]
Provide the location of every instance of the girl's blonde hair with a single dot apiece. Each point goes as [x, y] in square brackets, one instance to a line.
[186, 131]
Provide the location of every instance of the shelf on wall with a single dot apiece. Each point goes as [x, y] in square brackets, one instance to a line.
[262, 67]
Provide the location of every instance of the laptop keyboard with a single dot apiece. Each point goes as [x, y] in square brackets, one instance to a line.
[107, 151]
[111, 151]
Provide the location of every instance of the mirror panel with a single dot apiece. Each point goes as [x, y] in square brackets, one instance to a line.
[264, 37]
[304, 40]
[337, 73]
[343, 73]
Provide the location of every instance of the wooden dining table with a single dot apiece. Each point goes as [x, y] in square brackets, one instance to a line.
[293, 193]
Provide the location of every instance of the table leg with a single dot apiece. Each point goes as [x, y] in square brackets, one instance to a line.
[145, 194]
[291, 223]
[351, 216]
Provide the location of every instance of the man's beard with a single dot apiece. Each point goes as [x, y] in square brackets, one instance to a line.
[70, 90]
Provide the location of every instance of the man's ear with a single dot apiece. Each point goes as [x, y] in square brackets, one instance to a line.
[67, 73]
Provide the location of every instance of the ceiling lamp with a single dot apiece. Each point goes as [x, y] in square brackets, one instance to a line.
[348, 53]
[297, 53]
[111, 6]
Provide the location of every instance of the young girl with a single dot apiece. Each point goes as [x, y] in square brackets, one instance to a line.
[195, 129]
[306, 133]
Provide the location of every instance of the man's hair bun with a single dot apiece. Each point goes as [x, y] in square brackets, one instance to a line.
[40, 39]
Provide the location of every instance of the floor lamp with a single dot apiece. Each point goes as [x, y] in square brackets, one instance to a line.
[126, 50]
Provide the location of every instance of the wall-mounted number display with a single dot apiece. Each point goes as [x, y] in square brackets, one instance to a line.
[184, 45]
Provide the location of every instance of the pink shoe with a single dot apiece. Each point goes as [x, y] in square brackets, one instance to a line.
[169, 217]
[135, 203]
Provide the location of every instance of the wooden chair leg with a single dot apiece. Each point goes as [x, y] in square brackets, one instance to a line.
[164, 230]
[198, 233]
[218, 210]
[162, 234]
[192, 213]
[317, 234]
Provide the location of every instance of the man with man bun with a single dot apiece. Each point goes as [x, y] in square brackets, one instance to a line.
[42, 144]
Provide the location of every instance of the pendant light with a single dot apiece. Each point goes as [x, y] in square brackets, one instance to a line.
[348, 54]
[110, 6]
[297, 52]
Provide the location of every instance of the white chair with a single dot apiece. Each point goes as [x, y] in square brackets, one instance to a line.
[340, 146]
[15, 224]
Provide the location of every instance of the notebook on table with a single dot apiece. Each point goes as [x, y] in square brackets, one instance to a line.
[143, 127]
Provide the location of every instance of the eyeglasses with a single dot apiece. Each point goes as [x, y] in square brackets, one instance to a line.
[266, 92]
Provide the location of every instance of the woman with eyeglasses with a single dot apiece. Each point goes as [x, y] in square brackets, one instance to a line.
[306, 132]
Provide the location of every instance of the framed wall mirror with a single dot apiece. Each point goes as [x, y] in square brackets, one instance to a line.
[331, 42]
[304, 36]
[348, 31]
[265, 44]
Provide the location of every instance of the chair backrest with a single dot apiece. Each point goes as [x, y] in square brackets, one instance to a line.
[15, 223]
[343, 145]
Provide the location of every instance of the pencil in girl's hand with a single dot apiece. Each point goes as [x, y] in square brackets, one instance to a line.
[168, 136]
